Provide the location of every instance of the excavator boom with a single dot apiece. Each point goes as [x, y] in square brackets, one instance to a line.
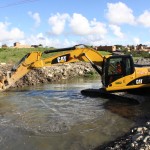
[34, 60]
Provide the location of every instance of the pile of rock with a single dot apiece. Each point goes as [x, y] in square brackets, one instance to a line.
[142, 61]
[141, 137]
[50, 74]
[137, 139]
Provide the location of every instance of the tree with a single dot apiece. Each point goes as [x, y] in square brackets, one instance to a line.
[40, 45]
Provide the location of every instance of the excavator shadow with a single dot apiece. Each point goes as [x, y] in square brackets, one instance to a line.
[113, 97]
[132, 107]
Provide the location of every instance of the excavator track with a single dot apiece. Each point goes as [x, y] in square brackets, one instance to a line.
[116, 97]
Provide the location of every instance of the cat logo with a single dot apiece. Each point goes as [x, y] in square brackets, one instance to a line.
[61, 59]
[139, 81]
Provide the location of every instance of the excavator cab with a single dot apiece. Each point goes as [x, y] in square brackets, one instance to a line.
[116, 67]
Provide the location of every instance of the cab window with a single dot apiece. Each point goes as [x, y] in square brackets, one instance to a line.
[129, 67]
[115, 66]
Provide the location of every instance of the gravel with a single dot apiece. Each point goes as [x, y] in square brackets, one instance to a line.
[137, 139]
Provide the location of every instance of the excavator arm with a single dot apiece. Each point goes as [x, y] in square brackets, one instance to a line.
[66, 55]
[19, 70]
[72, 54]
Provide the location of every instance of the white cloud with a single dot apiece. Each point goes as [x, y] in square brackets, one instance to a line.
[40, 38]
[58, 23]
[98, 28]
[35, 17]
[80, 25]
[7, 34]
[77, 25]
[94, 40]
[136, 40]
[116, 30]
[146, 43]
[120, 13]
[144, 18]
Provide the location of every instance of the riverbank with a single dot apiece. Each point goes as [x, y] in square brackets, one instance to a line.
[137, 138]
[55, 73]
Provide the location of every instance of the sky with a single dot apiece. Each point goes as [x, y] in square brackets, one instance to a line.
[64, 23]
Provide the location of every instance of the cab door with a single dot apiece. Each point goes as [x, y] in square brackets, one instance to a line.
[129, 70]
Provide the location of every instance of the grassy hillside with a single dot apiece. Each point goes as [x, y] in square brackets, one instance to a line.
[11, 55]
[104, 53]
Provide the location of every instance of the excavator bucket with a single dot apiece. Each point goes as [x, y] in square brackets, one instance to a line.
[2, 83]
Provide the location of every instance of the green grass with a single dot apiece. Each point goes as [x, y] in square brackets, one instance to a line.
[91, 74]
[104, 53]
[13, 55]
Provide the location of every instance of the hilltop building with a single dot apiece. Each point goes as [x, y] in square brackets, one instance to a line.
[18, 45]
[141, 47]
[106, 48]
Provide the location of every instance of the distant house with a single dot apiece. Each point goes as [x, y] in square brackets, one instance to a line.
[141, 47]
[18, 45]
[106, 48]
[4, 46]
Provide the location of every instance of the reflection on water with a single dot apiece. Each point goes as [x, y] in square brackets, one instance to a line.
[57, 116]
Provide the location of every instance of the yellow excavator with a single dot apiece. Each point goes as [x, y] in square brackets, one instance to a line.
[118, 72]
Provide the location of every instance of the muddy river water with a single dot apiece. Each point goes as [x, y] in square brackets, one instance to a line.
[58, 117]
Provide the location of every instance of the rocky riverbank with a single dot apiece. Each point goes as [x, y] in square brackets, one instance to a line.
[142, 61]
[137, 139]
[51, 74]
